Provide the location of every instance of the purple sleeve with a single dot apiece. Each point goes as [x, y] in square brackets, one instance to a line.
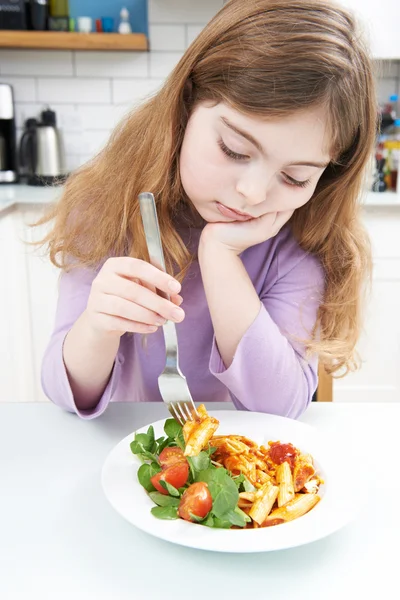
[74, 291]
[269, 372]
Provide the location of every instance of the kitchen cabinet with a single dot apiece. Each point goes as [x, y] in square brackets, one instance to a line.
[379, 346]
[381, 22]
[41, 279]
[16, 348]
[29, 295]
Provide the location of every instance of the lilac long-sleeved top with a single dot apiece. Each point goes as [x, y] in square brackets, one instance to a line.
[269, 372]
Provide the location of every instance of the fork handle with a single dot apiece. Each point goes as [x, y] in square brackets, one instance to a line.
[152, 233]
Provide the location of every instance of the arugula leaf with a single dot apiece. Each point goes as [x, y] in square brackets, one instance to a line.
[150, 433]
[164, 443]
[209, 521]
[163, 500]
[201, 462]
[175, 433]
[239, 480]
[248, 487]
[138, 448]
[207, 476]
[221, 523]
[210, 450]
[222, 488]
[226, 498]
[165, 512]
[180, 440]
[150, 456]
[144, 440]
[172, 428]
[145, 473]
[191, 467]
[170, 488]
[246, 517]
[196, 518]
[235, 519]
[243, 484]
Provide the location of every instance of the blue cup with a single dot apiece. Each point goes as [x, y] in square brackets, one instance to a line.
[107, 24]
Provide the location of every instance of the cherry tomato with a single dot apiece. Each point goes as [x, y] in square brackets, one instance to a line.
[196, 500]
[177, 475]
[171, 455]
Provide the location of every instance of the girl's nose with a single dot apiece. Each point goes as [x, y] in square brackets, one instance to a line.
[254, 187]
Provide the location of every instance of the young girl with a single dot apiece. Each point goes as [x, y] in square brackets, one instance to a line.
[255, 149]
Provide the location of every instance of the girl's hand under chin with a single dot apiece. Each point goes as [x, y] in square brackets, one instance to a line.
[238, 236]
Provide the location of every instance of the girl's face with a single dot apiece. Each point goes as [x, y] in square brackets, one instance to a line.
[235, 167]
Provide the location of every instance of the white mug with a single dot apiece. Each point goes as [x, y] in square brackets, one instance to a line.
[85, 24]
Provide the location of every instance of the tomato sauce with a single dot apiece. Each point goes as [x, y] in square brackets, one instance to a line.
[280, 453]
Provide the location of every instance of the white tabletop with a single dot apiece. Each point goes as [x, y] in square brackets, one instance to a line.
[59, 537]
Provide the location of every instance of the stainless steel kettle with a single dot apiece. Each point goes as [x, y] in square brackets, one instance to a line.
[41, 150]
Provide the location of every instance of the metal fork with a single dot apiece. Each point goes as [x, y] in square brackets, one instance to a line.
[172, 383]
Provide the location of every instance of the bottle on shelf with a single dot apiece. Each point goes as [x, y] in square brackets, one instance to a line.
[392, 146]
[59, 15]
[124, 26]
[379, 183]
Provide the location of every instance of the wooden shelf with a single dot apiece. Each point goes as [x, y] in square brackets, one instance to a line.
[60, 40]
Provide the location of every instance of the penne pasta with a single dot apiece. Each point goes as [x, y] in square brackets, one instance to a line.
[200, 436]
[265, 498]
[303, 471]
[299, 506]
[198, 432]
[285, 480]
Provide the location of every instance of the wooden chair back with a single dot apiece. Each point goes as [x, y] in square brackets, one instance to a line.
[325, 386]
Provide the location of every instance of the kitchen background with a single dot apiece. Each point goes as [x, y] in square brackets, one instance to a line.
[89, 92]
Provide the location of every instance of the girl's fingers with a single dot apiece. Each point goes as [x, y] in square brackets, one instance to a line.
[177, 299]
[136, 294]
[134, 268]
[116, 306]
[111, 323]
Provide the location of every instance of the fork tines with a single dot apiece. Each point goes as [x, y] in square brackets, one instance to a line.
[181, 412]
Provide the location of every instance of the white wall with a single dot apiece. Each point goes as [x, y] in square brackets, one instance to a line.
[90, 91]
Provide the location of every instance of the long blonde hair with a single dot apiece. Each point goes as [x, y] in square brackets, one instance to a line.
[267, 58]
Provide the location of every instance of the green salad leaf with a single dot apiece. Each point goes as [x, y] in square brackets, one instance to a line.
[163, 500]
[170, 488]
[165, 512]
[145, 473]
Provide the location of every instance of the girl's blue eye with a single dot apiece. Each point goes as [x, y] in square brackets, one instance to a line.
[231, 153]
[294, 182]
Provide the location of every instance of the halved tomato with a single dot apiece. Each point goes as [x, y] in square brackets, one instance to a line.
[171, 455]
[177, 475]
[196, 500]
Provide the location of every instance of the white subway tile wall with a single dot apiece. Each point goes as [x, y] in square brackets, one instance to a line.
[92, 91]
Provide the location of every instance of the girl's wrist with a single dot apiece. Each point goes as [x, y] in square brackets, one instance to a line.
[209, 244]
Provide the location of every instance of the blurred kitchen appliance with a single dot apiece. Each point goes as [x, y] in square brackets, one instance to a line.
[38, 16]
[41, 150]
[12, 14]
[8, 140]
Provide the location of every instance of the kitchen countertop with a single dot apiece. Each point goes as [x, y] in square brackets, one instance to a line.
[60, 538]
[21, 194]
[12, 196]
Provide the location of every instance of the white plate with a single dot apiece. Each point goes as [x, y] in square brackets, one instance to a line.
[335, 509]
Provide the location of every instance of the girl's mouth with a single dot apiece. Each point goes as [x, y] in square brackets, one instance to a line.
[231, 213]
